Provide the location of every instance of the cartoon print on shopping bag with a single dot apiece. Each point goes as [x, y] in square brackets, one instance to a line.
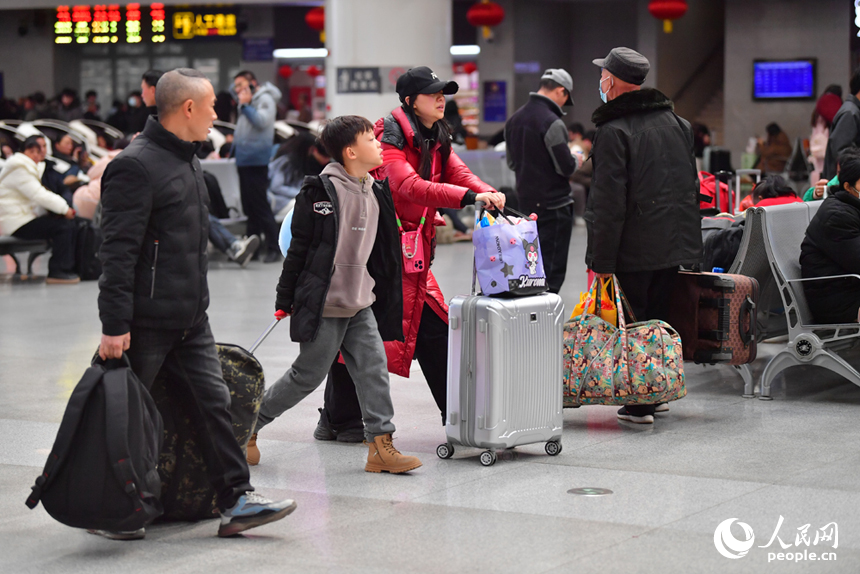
[531, 249]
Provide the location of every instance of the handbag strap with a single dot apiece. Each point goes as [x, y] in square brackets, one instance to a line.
[420, 224]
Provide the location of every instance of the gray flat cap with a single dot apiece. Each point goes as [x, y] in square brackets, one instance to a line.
[625, 64]
[561, 77]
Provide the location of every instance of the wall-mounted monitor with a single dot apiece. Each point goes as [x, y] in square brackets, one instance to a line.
[775, 80]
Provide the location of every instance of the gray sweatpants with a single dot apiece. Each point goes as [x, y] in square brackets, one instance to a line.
[357, 338]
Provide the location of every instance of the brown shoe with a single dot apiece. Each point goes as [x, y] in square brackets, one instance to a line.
[62, 279]
[253, 456]
[383, 457]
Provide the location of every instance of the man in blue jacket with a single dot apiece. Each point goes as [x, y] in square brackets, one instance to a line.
[253, 140]
[537, 150]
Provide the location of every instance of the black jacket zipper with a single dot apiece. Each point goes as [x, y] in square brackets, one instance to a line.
[154, 265]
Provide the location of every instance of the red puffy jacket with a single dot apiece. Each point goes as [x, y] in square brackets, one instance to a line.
[412, 194]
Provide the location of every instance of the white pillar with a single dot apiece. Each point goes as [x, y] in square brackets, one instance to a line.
[385, 37]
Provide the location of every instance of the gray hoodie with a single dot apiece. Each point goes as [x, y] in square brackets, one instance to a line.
[351, 288]
[255, 128]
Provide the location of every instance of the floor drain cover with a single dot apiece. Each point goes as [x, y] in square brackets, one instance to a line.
[590, 491]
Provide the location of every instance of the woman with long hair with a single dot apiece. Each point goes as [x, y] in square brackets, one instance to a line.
[424, 174]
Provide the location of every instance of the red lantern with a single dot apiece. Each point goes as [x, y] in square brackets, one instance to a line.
[315, 19]
[485, 14]
[313, 71]
[285, 71]
[469, 67]
[667, 10]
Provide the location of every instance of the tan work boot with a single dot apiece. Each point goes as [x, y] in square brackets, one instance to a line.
[383, 457]
[253, 455]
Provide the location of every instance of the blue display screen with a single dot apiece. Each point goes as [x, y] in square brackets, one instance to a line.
[786, 79]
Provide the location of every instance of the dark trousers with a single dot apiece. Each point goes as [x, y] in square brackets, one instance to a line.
[650, 296]
[454, 214]
[554, 230]
[253, 183]
[431, 350]
[188, 358]
[61, 232]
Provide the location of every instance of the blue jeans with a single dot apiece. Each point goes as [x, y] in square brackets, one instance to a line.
[219, 236]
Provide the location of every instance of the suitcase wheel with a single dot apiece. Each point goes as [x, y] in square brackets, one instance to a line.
[553, 447]
[445, 450]
[488, 458]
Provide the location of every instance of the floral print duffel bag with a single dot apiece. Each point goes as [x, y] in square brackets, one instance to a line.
[640, 363]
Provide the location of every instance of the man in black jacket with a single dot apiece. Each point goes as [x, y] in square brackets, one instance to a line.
[643, 213]
[832, 247]
[153, 290]
[537, 150]
[845, 131]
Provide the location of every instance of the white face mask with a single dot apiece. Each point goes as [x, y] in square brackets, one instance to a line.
[603, 94]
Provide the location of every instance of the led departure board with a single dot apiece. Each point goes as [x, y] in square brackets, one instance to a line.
[188, 25]
[135, 23]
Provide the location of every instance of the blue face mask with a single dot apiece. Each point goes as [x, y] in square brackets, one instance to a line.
[603, 97]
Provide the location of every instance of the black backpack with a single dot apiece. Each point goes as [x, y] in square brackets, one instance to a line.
[217, 205]
[722, 247]
[88, 243]
[102, 471]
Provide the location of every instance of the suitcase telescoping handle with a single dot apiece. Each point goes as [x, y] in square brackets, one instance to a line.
[278, 316]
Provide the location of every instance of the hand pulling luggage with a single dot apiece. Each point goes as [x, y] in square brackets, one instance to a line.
[186, 492]
[101, 473]
[504, 373]
[715, 314]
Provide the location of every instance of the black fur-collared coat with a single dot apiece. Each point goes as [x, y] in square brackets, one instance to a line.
[643, 206]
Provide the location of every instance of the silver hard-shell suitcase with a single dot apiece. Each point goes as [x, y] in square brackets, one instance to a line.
[504, 373]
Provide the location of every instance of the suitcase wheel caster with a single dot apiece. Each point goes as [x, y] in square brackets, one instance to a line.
[553, 448]
[445, 450]
[488, 458]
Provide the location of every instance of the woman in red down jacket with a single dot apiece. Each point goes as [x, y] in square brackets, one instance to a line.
[423, 172]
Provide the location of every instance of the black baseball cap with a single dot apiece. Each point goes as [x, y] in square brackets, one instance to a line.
[422, 80]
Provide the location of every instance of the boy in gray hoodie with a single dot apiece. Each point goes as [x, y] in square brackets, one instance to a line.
[341, 285]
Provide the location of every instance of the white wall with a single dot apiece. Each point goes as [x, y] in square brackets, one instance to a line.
[383, 33]
[27, 62]
[780, 29]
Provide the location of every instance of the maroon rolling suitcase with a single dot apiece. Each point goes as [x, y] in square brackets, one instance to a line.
[715, 314]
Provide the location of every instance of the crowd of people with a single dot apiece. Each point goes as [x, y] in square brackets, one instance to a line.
[356, 312]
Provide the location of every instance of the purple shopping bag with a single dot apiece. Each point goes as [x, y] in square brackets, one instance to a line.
[508, 259]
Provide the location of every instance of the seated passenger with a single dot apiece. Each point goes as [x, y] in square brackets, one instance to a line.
[87, 196]
[773, 190]
[832, 247]
[23, 206]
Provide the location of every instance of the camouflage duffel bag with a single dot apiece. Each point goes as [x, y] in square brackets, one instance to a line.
[185, 490]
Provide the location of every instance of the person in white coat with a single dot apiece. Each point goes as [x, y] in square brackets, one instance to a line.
[30, 211]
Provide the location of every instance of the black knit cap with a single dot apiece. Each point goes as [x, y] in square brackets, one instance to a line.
[422, 80]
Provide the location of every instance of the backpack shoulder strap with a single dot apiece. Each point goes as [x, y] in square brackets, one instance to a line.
[117, 406]
[68, 428]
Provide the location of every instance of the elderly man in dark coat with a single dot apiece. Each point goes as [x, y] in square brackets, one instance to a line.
[643, 212]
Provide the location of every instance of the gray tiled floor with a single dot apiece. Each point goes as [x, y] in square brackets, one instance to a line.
[714, 456]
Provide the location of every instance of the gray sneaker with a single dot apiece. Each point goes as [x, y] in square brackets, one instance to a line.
[242, 251]
[138, 534]
[252, 510]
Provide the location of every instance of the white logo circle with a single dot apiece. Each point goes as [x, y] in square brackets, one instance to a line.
[728, 545]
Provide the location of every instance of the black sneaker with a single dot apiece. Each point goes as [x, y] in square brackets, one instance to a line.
[272, 257]
[624, 415]
[324, 430]
[351, 435]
